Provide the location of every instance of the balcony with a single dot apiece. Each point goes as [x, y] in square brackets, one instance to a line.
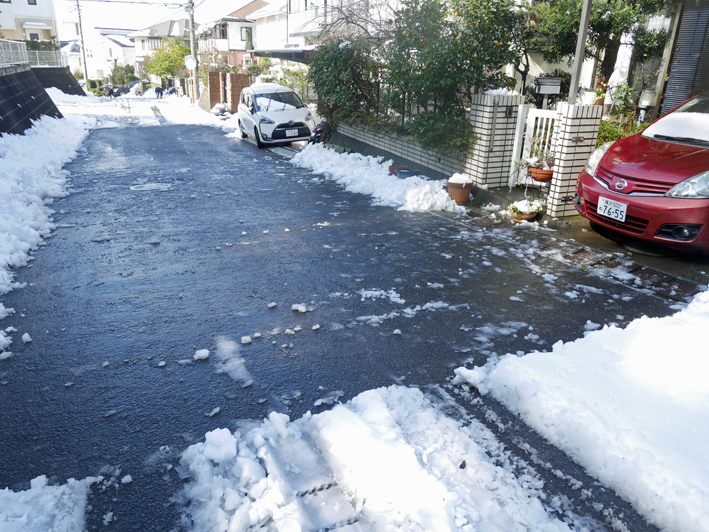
[16, 53]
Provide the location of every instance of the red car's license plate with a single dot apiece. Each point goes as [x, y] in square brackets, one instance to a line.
[615, 210]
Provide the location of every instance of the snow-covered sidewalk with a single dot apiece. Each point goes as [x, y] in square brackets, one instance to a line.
[630, 405]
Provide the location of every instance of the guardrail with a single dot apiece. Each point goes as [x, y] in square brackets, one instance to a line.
[13, 53]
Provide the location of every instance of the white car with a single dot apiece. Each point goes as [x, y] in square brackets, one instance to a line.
[272, 114]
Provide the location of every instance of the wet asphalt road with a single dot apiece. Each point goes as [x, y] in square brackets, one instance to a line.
[148, 264]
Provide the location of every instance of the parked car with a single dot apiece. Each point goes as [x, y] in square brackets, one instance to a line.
[272, 114]
[654, 185]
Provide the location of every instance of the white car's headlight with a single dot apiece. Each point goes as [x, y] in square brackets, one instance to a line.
[265, 120]
[595, 158]
[696, 187]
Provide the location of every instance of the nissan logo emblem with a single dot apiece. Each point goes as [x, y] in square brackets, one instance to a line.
[621, 184]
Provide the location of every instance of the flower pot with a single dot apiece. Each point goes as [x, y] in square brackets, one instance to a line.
[540, 175]
[460, 192]
[589, 98]
[521, 216]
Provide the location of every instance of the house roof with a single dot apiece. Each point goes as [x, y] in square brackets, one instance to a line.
[273, 8]
[121, 40]
[179, 28]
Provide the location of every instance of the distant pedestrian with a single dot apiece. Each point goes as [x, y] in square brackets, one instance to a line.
[109, 91]
[158, 93]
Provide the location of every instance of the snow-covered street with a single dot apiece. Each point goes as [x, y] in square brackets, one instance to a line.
[199, 335]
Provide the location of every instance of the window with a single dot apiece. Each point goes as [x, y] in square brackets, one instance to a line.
[34, 36]
[110, 53]
[245, 33]
[32, 2]
[5, 1]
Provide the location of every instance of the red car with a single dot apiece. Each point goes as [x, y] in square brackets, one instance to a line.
[654, 185]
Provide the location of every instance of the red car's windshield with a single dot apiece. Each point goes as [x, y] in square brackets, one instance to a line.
[688, 123]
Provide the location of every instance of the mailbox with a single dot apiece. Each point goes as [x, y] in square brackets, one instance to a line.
[548, 85]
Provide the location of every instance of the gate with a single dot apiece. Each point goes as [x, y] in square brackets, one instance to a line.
[535, 127]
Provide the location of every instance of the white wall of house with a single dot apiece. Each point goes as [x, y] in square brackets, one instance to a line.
[272, 26]
[22, 20]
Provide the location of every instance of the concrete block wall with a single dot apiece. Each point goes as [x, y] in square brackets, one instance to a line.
[22, 100]
[575, 136]
[406, 149]
[494, 119]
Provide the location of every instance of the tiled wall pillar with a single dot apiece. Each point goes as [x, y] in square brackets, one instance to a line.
[235, 83]
[494, 119]
[216, 88]
[575, 135]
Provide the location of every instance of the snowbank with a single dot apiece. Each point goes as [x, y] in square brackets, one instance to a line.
[630, 405]
[31, 176]
[370, 176]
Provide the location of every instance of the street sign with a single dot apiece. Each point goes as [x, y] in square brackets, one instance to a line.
[190, 62]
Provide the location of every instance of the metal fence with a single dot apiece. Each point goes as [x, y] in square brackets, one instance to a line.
[13, 53]
[39, 58]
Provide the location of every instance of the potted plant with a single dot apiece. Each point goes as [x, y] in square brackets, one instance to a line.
[459, 188]
[540, 164]
[525, 210]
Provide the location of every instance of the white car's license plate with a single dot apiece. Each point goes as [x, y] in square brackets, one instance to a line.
[291, 132]
[615, 210]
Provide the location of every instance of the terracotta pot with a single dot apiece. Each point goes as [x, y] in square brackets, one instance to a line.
[542, 176]
[519, 217]
[460, 192]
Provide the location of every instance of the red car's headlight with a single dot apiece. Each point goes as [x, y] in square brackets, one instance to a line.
[696, 187]
[595, 158]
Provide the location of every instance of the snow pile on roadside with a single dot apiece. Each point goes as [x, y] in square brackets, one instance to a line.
[31, 176]
[370, 176]
[42, 507]
[630, 405]
[142, 111]
[398, 463]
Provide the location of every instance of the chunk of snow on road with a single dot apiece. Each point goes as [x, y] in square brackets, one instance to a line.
[273, 304]
[245, 340]
[516, 298]
[126, 479]
[201, 354]
[299, 308]
[4, 355]
[396, 331]
[229, 361]
[392, 295]
[590, 326]
[26, 338]
[377, 449]
[330, 399]
[316, 327]
[162, 364]
[213, 412]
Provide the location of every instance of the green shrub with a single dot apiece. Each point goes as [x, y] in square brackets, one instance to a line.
[614, 129]
[445, 135]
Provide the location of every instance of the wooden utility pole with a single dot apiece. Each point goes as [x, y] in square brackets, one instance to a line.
[193, 52]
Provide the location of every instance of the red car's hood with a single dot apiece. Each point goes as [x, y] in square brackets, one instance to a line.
[655, 160]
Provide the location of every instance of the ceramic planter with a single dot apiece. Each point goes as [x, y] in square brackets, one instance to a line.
[542, 176]
[460, 192]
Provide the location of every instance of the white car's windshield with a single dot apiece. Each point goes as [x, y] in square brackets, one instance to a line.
[277, 101]
[687, 123]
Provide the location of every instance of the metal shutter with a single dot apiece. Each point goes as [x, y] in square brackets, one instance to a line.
[689, 71]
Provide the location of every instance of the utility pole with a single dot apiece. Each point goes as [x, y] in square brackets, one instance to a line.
[580, 49]
[83, 48]
[193, 51]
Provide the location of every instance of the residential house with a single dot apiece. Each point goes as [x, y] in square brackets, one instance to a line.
[226, 40]
[106, 48]
[149, 39]
[27, 20]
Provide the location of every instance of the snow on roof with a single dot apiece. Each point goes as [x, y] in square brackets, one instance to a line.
[274, 8]
[121, 40]
[212, 10]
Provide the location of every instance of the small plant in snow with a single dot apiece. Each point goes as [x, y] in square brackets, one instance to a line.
[525, 207]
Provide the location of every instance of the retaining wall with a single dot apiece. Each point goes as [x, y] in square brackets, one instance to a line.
[59, 77]
[22, 99]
